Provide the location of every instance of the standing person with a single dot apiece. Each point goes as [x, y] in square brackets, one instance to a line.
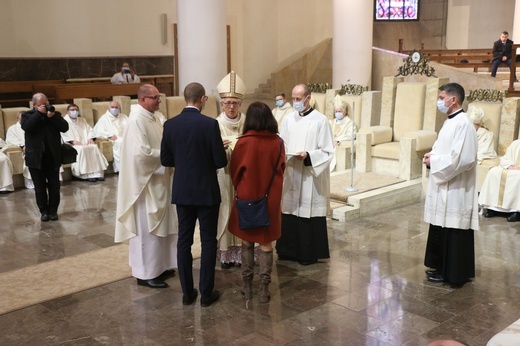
[42, 126]
[305, 199]
[192, 144]
[451, 200]
[231, 90]
[502, 53]
[144, 213]
[282, 108]
[258, 161]
[126, 76]
[112, 127]
[90, 164]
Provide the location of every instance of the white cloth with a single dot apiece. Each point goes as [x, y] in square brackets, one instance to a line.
[229, 129]
[279, 113]
[145, 214]
[486, 149]
[124, 78]
[90, 162]
[451, 199]
[306, 189]
[500, 190]
[108, 126]
[6, 173]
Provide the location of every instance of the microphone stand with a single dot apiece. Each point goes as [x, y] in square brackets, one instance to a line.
[352, 188]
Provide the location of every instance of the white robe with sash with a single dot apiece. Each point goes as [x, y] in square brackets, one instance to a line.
[145, 214]
[90, 162]
[6, 170]
[306, 189]
[501, 188]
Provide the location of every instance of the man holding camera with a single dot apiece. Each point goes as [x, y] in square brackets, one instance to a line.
[42, 126]
[126, 76]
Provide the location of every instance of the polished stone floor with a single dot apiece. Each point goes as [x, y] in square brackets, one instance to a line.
[371, 292]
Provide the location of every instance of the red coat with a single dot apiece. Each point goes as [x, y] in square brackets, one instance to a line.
[251, 168]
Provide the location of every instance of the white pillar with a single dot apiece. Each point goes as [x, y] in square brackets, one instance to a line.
[352, 42]
[202, 43]
[515, 35]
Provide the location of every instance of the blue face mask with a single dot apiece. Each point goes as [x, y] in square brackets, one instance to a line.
[279, 103]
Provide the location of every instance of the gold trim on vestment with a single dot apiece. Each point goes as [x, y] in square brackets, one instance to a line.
[503, 178]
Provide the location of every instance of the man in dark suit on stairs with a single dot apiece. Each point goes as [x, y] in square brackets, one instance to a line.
[502, 53]
[192, 144]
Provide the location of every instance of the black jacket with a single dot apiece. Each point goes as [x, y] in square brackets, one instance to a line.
[499, 50]
[42, 134]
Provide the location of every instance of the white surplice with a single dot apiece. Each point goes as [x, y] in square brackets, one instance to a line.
[145, 214]
[306, 189]
[90, 162]
[501, 188]
[451, 199]
[109, 125]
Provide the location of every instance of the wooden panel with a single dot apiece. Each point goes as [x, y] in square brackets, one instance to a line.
[95, 90]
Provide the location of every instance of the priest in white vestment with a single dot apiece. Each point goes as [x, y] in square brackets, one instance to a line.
[451, 200]
[500, 192]
[145, 215]
[6, 170]
[90, 163]
[231, 90]
[111, 126]
[306, 189]
[486, 148]
[282, 109]
[343, 128]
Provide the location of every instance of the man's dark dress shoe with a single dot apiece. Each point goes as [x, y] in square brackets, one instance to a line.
[286, 258]
[44, 217]
[490, 213]
[152, 283]
[92, 180]
[188, 299]
[53, 217]
[167, 273]
[436, 278]
[430, 272]
[207, 301]
[514, 217]
[226, 265]
[307, 263]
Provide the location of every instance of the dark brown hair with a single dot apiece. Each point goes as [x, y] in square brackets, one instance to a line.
[260, 118]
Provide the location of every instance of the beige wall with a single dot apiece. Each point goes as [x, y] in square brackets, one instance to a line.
[75, 28]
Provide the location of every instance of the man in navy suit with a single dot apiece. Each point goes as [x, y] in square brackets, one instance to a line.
[502, 52]
[192, 144]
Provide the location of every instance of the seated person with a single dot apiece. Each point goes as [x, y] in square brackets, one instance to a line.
[111, 126]
[126, 76]
[6, 170]
[499, 193]
[90, 163]
[282, 108]
[343, 129]
[502, 53]
[486, 149]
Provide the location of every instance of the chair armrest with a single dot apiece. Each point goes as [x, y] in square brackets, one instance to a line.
[106, 148]
[380, 134]
[15, 154]
[424, 139]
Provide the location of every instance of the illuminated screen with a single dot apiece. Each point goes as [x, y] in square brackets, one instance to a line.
[397, 9]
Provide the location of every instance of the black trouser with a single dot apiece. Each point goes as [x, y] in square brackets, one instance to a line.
[208, 219]
[47, 185]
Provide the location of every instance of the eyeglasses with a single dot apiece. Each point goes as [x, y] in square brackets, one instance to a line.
[156, 97]
[205, 98]
[229, 104]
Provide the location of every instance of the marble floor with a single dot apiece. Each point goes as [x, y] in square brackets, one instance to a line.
[372, 291]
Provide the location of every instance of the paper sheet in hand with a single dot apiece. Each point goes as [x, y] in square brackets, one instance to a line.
[233, 140]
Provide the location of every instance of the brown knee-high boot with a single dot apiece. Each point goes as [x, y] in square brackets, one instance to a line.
[266, 266]
[248, 268]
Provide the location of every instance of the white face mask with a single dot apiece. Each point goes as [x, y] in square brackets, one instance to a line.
[339, 115]
[114, 111]
[73, 114]
[441, 106]
[279, 103]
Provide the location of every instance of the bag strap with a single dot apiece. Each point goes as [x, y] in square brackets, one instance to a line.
[274, 169]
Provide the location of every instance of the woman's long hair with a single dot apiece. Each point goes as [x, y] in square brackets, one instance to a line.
[260, 118]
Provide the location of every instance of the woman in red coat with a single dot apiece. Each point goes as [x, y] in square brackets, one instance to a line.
[252, 164]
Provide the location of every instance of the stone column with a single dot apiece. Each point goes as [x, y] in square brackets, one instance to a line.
[352, 42]
[515, 35]
[202, 43]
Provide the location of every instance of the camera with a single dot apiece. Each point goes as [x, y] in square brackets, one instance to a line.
[50, 108]
[126, 69]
